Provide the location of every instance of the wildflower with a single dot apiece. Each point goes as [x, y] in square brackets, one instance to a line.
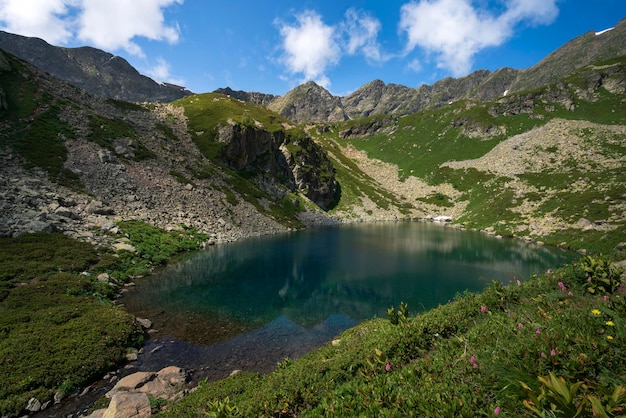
[473, 360]
[610, 323]
[388, 367]
[562, 286]
[519, 283]
[570, 294]
[608, 337]
[606, 298]
[543, 355]
[596, 312]
[520, 325]
[496, 411]
[483, 309]
[589, 279]
[476, 365]
[549, 271]
[538, 331]
[553, 352]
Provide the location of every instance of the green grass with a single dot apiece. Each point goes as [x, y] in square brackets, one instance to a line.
[42, 144]
[57, 330]
[425, 365]
[207, 112]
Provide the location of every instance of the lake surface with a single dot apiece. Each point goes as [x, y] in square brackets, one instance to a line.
[249, 304]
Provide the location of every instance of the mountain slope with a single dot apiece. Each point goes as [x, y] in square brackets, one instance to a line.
[91, 69]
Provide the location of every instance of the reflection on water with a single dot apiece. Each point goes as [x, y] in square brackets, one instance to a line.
[303, 279]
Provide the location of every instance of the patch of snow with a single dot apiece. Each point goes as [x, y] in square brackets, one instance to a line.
[603, 31]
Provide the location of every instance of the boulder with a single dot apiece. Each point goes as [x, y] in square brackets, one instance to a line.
[128, 405]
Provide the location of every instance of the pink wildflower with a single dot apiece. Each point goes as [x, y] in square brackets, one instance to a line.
[543, 355]
[589, 279]
[475, 366]
[520, 325]
[553, 352]
[570, 294]
[519, 283]
[538, 331]
[606, 298]
[473, 360]
[387, 366]
[549, 271]
[562, 286]
[496, 411]
[483, 309]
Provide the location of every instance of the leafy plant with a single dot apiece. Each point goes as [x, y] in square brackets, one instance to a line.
[556, 398]
[602, 275]
[398, 316]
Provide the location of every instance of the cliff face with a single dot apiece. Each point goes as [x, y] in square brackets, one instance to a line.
[278, 160]
[91, 69]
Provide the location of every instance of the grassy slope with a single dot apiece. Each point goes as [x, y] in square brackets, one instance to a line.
[421, 142]
[425, 366]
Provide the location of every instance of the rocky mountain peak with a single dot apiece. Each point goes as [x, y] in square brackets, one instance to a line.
[309, 102]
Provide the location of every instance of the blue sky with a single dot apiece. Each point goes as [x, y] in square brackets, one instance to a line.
[273, 46]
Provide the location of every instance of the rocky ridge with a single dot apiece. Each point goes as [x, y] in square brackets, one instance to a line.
[312, 103]
[91, 69]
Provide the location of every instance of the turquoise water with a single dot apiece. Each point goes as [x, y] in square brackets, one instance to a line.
[281, 296]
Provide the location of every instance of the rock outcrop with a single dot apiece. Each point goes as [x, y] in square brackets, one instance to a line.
[280, 161]
[130, 397]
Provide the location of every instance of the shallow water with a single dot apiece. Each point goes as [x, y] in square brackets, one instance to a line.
[249, 304]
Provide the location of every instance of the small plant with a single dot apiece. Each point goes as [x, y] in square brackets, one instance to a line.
[558, 398]
[400, 315]
[602, 275]
[222, 409]
[156, 404]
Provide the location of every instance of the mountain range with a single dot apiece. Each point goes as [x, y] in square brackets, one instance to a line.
[313, 103]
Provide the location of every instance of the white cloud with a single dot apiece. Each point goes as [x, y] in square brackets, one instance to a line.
[362, 33]
[456, 30]
[161, 72]
[414, 65]
[47, 19]
[310, 47]
[111, 25]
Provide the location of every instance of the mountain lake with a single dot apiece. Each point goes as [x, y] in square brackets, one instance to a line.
[250, 304]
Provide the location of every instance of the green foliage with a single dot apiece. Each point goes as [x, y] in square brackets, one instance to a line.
[558, 398]
[42, 144]
[57, 329]
[398, 316]
[104, 129]
[602, 275]
[156, 245]
[222, 409]
[127, 106]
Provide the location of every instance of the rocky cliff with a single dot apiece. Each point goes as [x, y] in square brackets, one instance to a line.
[280, 160]
[95, 71]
